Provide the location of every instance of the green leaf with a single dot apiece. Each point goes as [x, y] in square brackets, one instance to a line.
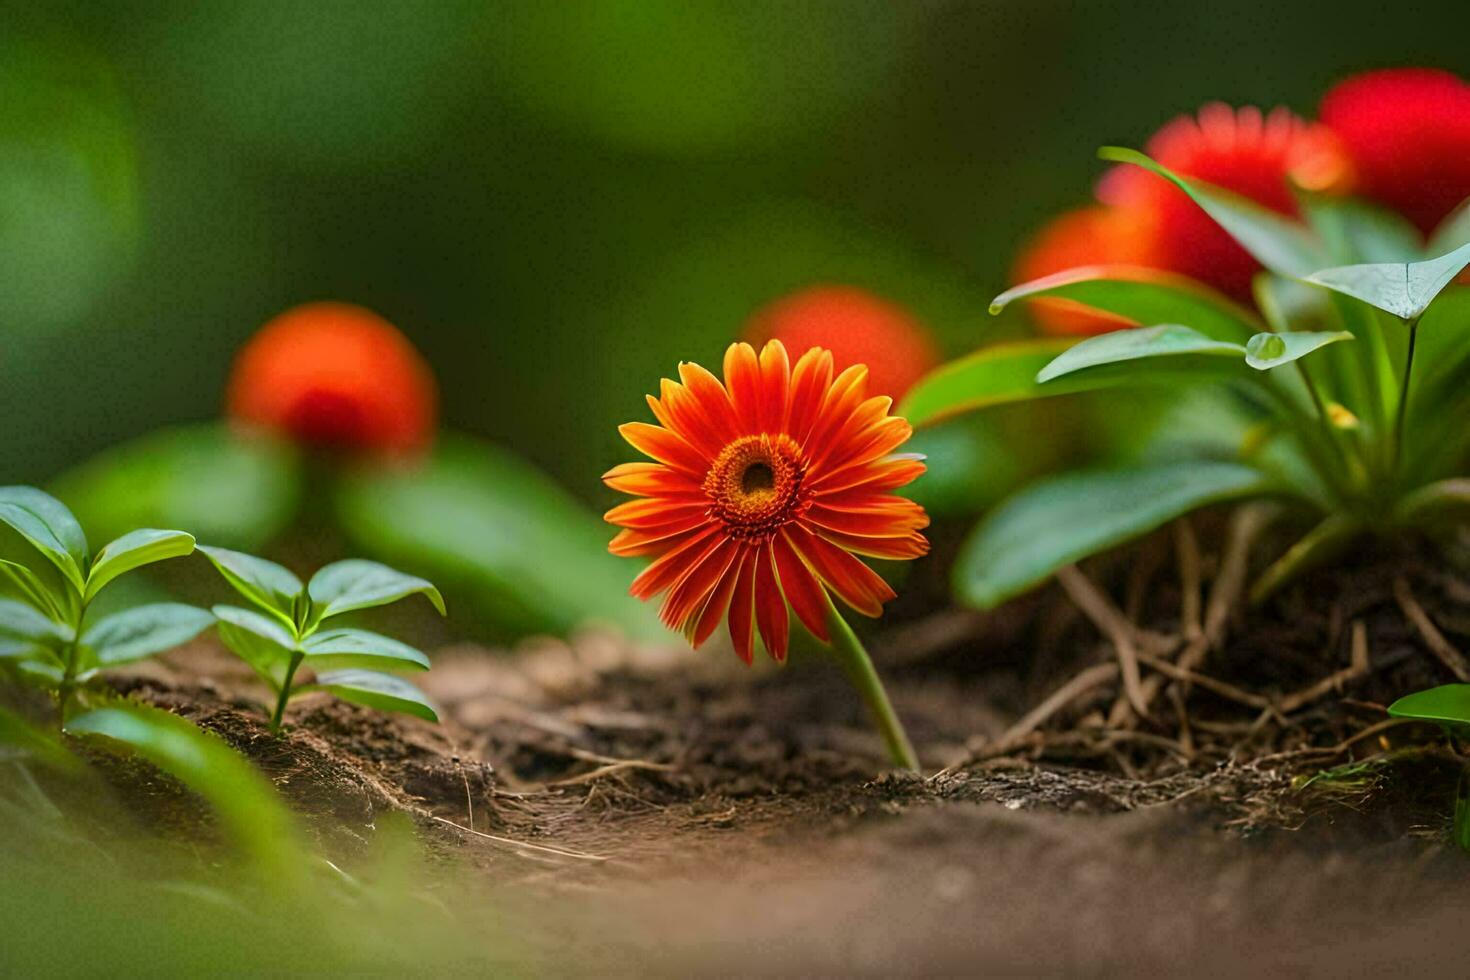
[994, 375]
[141, 632]
[1320, 545]
[264, 583]
[30, 587]
[342, 649]
[43, 746]
[1278, 243]
[258, 640]
[1066, 518]
[1448, 704]
[45, 522]
[1268, 350]
[248, 809]
[381, 691]
[345, 586]
[24, 631]
[1357, 231]
[1404, 289]
[226, 489]
[1452, 232]
[1184, 349]
[1427, 502]
[1144, 297]
[134, 550]
[530, 557]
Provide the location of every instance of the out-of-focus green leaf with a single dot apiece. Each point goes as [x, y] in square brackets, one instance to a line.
[1318, 546]
[246, 806]
[1448, 704]
[513, 541]
[971, 464]
[220, 487]
[268, 585]
[18, 734]
[1427, 502]
[1358, 231]
[24, 629]
[137, 633]
[1404, 289]
[1177, 349]
[344, 649]
[1278, 243]
[258, 640]
[29, 586]
[345, 586]
[374, 690]
[1145, 297]
[45, 522]
[1066, 518]
[133, 550]
[1268, 350]
[994, 375]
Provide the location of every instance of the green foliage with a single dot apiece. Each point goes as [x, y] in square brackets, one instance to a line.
[1177, 351]
[1448, 704]
[348, 662]
[1268, 350]
[1404, 289]
[43, 629]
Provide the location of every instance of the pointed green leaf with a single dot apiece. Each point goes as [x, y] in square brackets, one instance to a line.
[374, 690]
[345, 586]
[1319, 545]
[1448, 704]
[1404, 289]
[1269, 350]
[23, 630]
[1426, 502]
[1144, 297]
[1278, 243]
[264, 583]
[258, 640]
[343, 649]
[1182, 348]
[30, 588]
[134, 550]
[994, 375]
[45, 522]
[143, 631]
[43, 746]
[1064, 519]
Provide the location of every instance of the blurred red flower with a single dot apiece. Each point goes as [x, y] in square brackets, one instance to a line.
[857, 327]
[1090, 236]
[335, 375]
[1257, 156]
[1407, 131]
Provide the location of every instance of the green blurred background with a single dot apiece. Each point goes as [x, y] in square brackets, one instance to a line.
[557, 201]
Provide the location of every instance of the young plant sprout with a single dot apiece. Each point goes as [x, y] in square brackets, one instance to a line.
[762, 491]
[44, 634]
[1448, 706]
[288, 631]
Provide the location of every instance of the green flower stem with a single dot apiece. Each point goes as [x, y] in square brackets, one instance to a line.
[68, 677]
[1398, 423]
[285, 694]
[859, 669]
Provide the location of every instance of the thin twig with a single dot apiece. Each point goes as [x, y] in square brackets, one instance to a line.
[1228, 691]
[546, 848]
[1112, 624]
[1186, 548]
[1433, 638]
[608, 770]
[1079, 685]
[1333, 682]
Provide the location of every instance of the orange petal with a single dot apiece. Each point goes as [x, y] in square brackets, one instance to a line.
[888, 473]
[892, 518]
[719, 601]
[678, 410]
[665, 446]
[810, 380]
[912, 545]
[770, 607]
[634, 544]
[845, 444]
[651, 512]
[669, 567]
[775, 386]
[742, 606]
[801, 588]
[650, 480]
[743, 379]
[712, 401]
[843, 398]
[857, 584]
[691, 591]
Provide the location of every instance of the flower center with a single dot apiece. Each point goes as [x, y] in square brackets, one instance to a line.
[754, 485]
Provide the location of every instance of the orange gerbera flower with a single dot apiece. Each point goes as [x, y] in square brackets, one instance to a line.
[762, 491]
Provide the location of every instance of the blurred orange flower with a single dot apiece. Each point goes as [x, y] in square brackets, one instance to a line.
[1091, 236]
[1257, 156]
[857, 327]
[335, 375]
[763, 490]
[1408, 133]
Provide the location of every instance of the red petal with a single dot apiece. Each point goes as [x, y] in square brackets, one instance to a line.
[775, 386]
[651, 512]
[743, 379]
[691, 592]
[742, 606]
[810, 380]
[889, 473]
[650, 480]
[711, 400]
[665, 446]
[633, 544]
[843, 398]
[719, 601]
[882, 517]
[770, 607]
[801, 588]
[913, 545]
[673, 564]
[857, 584]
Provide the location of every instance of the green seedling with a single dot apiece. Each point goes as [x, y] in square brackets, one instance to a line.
[290, 631]
[44, 633]
[1449, 707]
[1343, 395]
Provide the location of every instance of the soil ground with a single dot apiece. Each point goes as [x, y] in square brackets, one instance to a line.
[685, 814]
